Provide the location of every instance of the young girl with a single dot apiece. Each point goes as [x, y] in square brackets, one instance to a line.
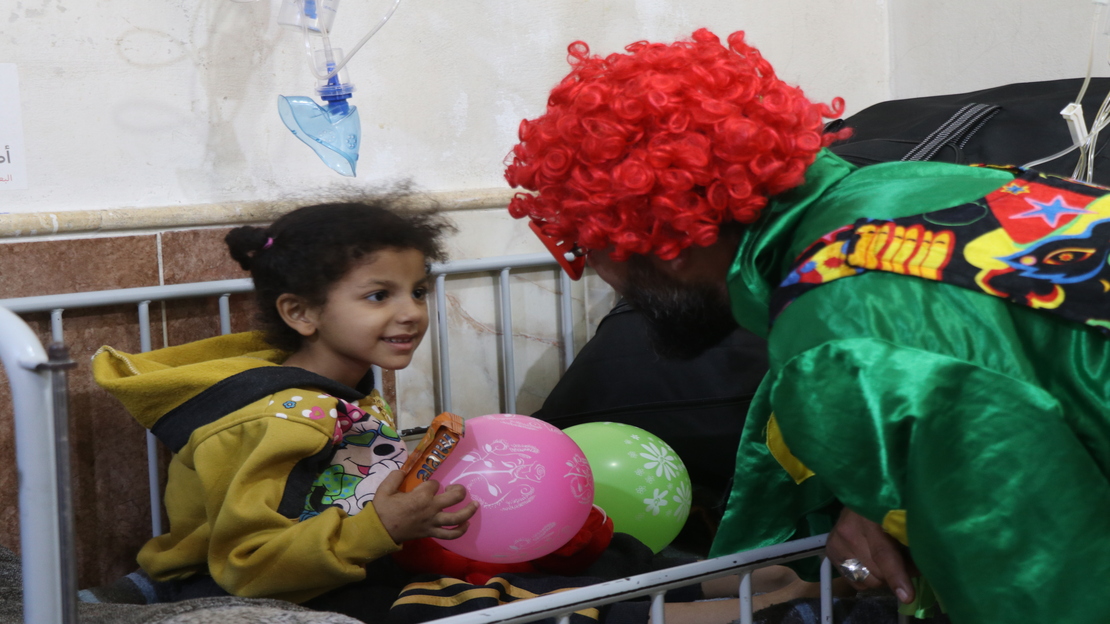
[283, 481]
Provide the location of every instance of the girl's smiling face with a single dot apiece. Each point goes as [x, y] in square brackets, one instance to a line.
[375, 315]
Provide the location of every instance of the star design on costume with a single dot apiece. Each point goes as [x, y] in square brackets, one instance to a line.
[1051, 212]
[1014, 188]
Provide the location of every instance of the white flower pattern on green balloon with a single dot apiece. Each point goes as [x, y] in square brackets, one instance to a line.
[657, 501]
[660, 459]
[684, 496]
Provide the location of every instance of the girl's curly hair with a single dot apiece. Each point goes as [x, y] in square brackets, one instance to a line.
[307, 250]
[651, 151]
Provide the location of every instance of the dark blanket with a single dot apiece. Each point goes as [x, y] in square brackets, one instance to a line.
[201, 611]
[863, 609]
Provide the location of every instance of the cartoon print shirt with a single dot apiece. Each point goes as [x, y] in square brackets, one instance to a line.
[367, 448]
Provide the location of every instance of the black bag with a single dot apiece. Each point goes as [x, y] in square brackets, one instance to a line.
[1008, 125]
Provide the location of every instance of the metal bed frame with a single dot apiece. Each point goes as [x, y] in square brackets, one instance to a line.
[38, 383]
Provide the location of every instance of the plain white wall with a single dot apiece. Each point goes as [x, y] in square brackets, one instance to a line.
[953, 46]
[140, 103]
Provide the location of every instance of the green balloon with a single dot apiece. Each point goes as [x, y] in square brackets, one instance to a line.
[639, 480]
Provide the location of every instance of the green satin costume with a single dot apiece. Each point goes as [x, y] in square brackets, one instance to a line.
[987, 422]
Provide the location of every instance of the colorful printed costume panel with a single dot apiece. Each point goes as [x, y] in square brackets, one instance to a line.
[1038, 241]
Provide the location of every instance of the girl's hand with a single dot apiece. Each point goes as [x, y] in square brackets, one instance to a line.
[420, 513]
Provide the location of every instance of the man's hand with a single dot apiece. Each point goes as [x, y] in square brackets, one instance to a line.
[420, 513]
[856, 537]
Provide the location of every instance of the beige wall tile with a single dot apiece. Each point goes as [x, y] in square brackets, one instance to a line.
[198, 256]
[50, 267]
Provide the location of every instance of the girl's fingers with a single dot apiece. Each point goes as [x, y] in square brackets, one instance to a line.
[451, 518]
[449, 534]
[390, 483]
[452, 495]
[427, 488]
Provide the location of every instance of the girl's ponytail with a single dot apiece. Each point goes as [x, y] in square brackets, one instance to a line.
[245, 242]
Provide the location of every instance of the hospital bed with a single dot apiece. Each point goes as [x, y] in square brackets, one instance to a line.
[37, 377]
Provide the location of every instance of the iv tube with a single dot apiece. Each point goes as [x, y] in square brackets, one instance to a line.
[327, 43]
[1084, 167]
[1098, 127]
[1091, 51]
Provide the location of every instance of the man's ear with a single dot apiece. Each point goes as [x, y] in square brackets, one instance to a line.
[676, 266]
[297, 314]
[701, 264]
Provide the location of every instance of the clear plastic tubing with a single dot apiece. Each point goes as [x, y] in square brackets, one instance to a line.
[316, 17]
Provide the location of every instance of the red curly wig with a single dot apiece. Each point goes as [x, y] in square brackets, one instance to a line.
[652, 150]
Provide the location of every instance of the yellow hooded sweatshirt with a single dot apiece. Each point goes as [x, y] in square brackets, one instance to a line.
[230, 477]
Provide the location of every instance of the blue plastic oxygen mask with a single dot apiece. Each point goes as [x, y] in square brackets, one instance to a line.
[332, 130]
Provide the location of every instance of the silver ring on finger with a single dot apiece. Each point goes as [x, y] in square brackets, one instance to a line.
[854, 571]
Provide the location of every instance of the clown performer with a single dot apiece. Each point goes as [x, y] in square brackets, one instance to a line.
[939, 385]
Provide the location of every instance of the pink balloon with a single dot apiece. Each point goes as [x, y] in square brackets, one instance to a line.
[532, 482]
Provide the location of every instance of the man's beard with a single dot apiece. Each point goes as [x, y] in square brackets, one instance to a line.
[684, 319]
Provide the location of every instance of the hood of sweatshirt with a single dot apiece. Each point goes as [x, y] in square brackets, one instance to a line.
[151, 384]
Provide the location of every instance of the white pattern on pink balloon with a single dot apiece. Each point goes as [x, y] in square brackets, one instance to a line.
[532, 482]
[501, 475]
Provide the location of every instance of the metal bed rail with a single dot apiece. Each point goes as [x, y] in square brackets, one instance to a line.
[656, 584]
[45, 520]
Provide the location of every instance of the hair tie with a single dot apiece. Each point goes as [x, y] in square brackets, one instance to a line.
[269, 243]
